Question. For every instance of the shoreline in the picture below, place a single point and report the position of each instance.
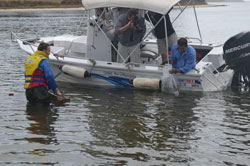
(41, 9)
(68, 8)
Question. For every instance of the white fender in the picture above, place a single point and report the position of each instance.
(75, 71)
(147, 83)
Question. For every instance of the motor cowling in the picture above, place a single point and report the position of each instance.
(237, 55)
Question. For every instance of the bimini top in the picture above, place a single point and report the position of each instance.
(159, 6)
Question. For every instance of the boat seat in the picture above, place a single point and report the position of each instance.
(149, 51)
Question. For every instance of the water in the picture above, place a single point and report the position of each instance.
(113, 126)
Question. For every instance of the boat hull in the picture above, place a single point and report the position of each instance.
(204, 78)
(203, 81)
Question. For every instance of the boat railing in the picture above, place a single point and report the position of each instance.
(14, 37)
(191, 39)
(163, 18)
(211, 71)
(146, 36)
(96, 22)
(30, 42)
(182, 9)
(217, 72)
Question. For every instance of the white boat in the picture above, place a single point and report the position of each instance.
(88, 59)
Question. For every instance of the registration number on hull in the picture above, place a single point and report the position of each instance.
(189, 83)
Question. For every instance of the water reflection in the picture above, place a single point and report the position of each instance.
(117, 126)
(237, 126)
(41, 118)
(223, 122)
(140, 124)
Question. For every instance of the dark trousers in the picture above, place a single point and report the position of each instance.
(38, 94)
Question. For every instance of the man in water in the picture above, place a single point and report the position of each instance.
(39, 77)
(183, 57)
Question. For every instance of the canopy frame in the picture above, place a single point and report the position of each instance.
(153, 26)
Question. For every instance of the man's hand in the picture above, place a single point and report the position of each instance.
(174, 71)
(131, 25)
(58, 93)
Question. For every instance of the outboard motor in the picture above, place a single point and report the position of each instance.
(237, 56)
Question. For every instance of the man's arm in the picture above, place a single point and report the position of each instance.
(190, 61)
(172, 60)
(122, 25)
(174, 70)
(44, 66)
(127, 26)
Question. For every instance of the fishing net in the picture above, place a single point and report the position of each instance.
(169, 84)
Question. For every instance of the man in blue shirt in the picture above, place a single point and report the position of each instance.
(183, 57)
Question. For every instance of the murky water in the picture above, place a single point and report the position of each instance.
(113, 126)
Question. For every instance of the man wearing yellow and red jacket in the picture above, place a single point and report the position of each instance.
(39, 77)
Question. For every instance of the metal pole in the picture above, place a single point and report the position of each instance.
(182, 10)
(145, 36)
(197, 20)
(109, 40)
(166, 38)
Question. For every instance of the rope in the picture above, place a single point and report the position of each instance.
(58, 74)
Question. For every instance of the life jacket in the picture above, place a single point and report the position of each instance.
(33, 76)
